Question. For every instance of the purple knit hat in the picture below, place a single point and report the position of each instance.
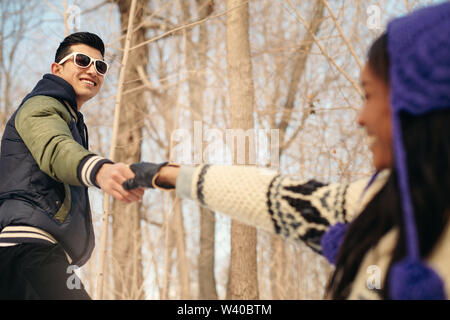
(419, 52)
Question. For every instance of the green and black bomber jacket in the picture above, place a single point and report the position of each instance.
(45, 170)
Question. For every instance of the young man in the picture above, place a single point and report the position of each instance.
(45, 170)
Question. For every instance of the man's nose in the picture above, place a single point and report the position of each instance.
(91, 69)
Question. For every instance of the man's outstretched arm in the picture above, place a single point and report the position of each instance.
(42, 123)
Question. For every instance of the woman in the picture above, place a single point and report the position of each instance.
(398, 220)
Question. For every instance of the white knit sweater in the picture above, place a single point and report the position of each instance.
(297, 210)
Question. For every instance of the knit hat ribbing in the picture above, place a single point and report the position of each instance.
(419, 52)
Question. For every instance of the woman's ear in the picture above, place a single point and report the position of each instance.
(56, 68)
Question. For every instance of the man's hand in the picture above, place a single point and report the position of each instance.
(151, 175)
(110, 178)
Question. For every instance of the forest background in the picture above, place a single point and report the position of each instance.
(286, 72)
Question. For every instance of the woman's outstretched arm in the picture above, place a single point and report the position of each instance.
(295, 209)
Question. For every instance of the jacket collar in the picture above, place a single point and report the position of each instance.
(56, 87)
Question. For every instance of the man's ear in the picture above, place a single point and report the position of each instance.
(56, 69)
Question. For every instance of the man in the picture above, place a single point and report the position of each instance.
(45, 170)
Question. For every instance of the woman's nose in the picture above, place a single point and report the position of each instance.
(361, 117)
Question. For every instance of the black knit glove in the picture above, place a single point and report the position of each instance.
(146, 173)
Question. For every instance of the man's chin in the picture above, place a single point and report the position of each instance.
(87, 93)
(83, 98)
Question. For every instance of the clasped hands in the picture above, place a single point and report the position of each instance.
(128, 183)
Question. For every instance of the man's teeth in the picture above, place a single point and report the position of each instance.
(88, 82)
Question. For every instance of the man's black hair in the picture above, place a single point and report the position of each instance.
(87, 38)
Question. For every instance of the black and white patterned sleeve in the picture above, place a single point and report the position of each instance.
(295, 209)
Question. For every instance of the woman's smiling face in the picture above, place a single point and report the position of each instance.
(376, 118)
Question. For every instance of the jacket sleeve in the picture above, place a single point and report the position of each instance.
(294, 209)
(43, 124)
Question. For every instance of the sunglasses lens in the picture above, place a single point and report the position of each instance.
(82, 60)
(101, 66)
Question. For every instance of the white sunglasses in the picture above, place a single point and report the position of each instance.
(84, 61)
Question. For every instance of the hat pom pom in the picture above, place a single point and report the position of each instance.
(331, 241)
(412, 280)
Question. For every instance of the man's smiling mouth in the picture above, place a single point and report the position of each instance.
(88, 82)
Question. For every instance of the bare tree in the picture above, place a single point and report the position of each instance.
(243, 281)
(280, 271)
(16, 19)
(196, 60)
(127, 234)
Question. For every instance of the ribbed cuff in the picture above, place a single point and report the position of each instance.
(88, 168)
(184, 181)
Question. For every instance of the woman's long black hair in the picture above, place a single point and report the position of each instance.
(427, 145)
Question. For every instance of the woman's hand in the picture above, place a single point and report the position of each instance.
(168, 176)
(152, 175)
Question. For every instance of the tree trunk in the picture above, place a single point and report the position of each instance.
(127, 237)
(207, 281)
(243, 281)
(277, 266)
(182, 261)
(196, 60)
(300, 271)
(169, 244)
